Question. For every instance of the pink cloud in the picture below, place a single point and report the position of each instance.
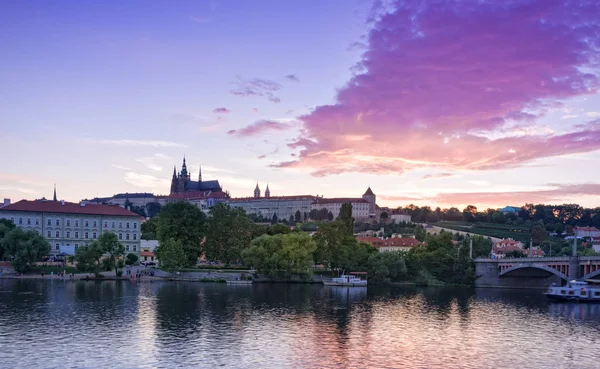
(438, 175)
(221, 111)
(261, 126)
(438, 81)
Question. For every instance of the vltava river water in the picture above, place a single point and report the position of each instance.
(67, 324)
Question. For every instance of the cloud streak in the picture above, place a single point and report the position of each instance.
(440, 85)
(150, 143)
(292, 77)
(260, 127)
(258, 87)
(221, 111)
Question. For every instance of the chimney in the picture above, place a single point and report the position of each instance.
(62, 202)
(6, 202)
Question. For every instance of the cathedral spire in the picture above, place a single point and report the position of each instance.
(267, 191)
(184, 172)
(174, 171)
(200, 174)
(54, 199)
(257, 191)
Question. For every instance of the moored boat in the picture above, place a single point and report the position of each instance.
(579, 291)
(352, 279)
(240, 282)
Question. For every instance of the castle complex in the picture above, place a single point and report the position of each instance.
(182, 182)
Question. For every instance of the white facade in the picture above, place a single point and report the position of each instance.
(282, 206)
(399, 218)
(582, 232)
(68, 231)
(360, 207)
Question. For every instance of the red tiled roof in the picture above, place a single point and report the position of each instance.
(146, 253)
(292, 197)
(68, 207)
(587, 229)
(390, 242)
(508, 243)
(341, 200)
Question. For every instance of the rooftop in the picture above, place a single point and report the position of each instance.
(293, 197)
(47, 206)
(198, 195)
(341, 200)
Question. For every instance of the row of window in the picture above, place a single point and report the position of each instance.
(68, 223)
(134, 248)
(87, 234)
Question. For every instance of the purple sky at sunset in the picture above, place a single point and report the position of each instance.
(450, 103)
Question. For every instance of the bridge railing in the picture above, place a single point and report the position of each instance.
(536, 260)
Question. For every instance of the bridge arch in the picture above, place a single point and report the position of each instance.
(533, 266)
(591, 275)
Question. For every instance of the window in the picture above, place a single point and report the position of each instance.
(134, 225)
(127, 236)
(76, 223)
(120, 236)
(57, 246)
(113, 224)
(28, 221)
(68, 234)
(20, 220)
(37, 221)
(86, 235)
(105, 224)
(87, 224)
(135, 236)
(57, 221)
(57, 234)
(49, 234)
(94, 223)
(127, 225)
(94, 235)
(120, 224)
(126, 247)
(76, 234)
(134, 248)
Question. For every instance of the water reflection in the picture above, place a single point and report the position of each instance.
(177, 324)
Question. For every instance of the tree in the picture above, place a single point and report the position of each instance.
(538, 233)
(383, 216)
(469, 213)
(291, 220)
(131, 259)
(5, 227)
(559, 228)
(149, 229)
(420, 233)
(26, 247)
(109, 243)
(330, 216)
(152, 209)
(229, 232)
(282, 256)
(298, 216)
(89, 258)
(274, 219)
(345, 217)
(184, 223)
(514, 254)
(171, 255)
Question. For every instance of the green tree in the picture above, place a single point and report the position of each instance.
(5, 227)
(152, 209)
(420, 233)
(291, 220)
(278, 229)
(229, 232)
(149, 229)
(383, 216)
(538, 233)
(109, 243)
(559, 228)
(131, 259)
(298, 216)
(346, 218)
(89, 258)
(469, 213)
(184, 223)
(274, 219)
(171, 255)
(26, 247)
(282, 256)
(515, 254)
(330, 216)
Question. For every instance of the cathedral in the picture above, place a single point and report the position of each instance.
(182, 182)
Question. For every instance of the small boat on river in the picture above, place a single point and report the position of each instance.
(350, 280)
(578, 291)
(239, 282)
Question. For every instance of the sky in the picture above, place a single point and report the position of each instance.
(439, 103)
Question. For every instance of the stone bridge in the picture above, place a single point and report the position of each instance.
(534, 272)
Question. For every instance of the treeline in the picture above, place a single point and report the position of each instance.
(567, 215)
(23, 248)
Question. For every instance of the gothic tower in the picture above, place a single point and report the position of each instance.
(371, 198)
(267, 191)
(55, 193)
(257, 191)
(174, 180)
(200, 174)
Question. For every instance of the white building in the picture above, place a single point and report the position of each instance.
(360, 207)
(267, 206)
(68, 225)
(582, 232)
(399, 218)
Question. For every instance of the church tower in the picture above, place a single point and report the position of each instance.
(267, 191)
(184, 172)
(371, 198)
(257, 191)
(174, 180)
(55, 193)
(200, 174)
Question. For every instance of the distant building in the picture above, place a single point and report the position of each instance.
(510, 210)
(500, 248)
(182, 182)
(68, 225)
(399, 218)
(281, 206)
(391, 244)
(582, 232)
(362, 207)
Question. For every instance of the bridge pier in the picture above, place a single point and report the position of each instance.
(574, 268)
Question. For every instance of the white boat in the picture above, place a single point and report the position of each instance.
(579, 291)
(349, 280)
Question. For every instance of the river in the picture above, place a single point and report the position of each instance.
(121, 324)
